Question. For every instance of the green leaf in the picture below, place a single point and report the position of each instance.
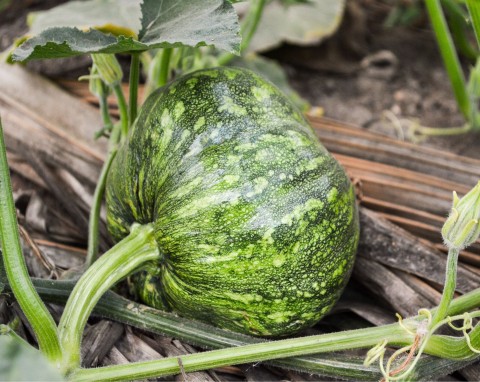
(300, 23)
(106, 15)
(19, 362)
(168, 23)
(193, 23)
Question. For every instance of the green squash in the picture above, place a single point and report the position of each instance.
(256, 222)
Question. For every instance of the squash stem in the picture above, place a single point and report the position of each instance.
(164, 67)
(94, 218)
(125, 257)
(123, 109)
(450, 57)
(120, 309)
(93, 226)
(16, 270)
(133, 86)
(474, 11)
(290, 348)
(107, 120)
(448, 288)
(244, 354)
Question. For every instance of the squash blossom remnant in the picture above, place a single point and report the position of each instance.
(108, 68)
(462, 227)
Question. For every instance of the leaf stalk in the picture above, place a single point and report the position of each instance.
(125, 257)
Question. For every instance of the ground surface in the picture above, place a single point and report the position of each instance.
(362, 72)
(367, 69)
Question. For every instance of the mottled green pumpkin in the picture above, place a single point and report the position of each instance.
(256, 222)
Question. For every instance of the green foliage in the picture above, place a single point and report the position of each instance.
(4, 4)
(164, 24)
(404, 14)
(113, 16)
(20, 362)
(300, 23)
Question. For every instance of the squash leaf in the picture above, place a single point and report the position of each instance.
(110, 16)
(20, 362)
(299, 22)
(167, 23)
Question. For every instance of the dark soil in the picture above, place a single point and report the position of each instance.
(367, 71)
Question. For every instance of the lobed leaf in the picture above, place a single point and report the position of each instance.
(105, 15)
(301, 23)
(193, 23)
(167, 23)
(20, 362)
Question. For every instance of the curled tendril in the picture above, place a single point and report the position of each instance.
(403, 326)
(466, 328)
(421, 334)
(467, 322)
(375, 353)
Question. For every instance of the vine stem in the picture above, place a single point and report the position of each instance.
(459, 28)
(17, 274)
(295, 347)
(133, 86)
(244, 354)
(107, 121)
(125, 257)
(120, 309)
(448, 288)
(474, 10)
(450, 57)
(248, 28)
(94, 220)
(123, 109)
(164, 67)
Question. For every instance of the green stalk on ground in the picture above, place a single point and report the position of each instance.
(16, 270)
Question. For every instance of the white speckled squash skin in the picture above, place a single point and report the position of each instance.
(256, 222)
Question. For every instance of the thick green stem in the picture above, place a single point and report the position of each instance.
(474, 10)
(272, 350)
(164, 67)
(127, 256)
(94, 221)
(117, 308)
(450, 57)
(94, 218)
(123, 109)
(32, 306)
(133, 86)
(248, 29)
(448, 288)
(459, 27)
(249, 353)
(295, 347)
